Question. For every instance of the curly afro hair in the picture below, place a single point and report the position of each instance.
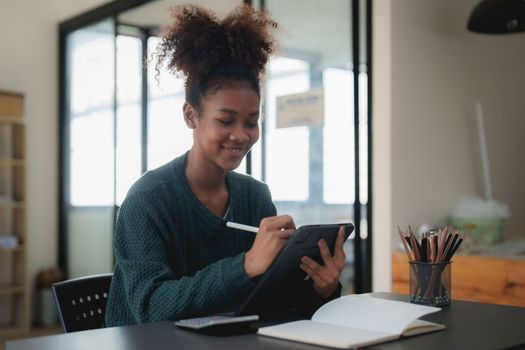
(209, 53)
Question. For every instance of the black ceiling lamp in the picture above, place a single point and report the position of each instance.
(498, 17)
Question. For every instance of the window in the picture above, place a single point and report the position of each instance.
(338, 171)
(91, 53)
(129, 105)
(287, 150)
(168, 135)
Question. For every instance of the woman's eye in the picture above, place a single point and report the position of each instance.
(252, 125)
(225, 122)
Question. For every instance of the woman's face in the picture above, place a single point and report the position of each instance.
(227, 126)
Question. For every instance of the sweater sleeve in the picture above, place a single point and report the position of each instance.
(151, 289)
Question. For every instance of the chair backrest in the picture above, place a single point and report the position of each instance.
(82, 302)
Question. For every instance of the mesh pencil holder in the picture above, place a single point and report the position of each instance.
(430, 283)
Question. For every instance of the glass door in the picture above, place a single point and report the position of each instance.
(90, 148)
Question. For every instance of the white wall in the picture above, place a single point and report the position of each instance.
(428, 73)
(29, 64)
(439, 71)
(496, 78)
(382, 145)
(432, 164)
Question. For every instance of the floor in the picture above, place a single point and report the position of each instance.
(34, 332)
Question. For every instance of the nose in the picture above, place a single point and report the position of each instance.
(239, 134)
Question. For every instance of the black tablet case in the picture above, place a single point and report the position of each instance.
(277, 290)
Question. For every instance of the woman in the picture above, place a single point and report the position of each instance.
(174, 256)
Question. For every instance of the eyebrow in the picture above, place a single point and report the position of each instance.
(234, 112)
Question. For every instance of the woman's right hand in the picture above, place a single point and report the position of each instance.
(273, 234)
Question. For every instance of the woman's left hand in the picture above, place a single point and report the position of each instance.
(326, 277)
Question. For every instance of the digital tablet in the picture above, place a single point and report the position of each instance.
(284, 281)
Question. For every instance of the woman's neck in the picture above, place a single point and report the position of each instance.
(208, 183)
(204, 176)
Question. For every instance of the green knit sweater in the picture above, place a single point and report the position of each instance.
(176, 259)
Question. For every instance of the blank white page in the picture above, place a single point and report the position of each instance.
(325, 334)
(361, 311)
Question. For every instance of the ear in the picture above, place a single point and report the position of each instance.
(190, 115)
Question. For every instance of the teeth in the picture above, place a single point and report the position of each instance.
(233, 150)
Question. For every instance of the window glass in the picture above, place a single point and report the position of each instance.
(287, 149)
(91, 82)
(310, 168)
(129, 108)
(168, 135)
(90, 147)
(338, 131)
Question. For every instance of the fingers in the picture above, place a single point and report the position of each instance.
(318, 272)
(326, 277)
(339, 254)
(272, 236)
(281, 226)
(314, 270)
(325, 254)
(284, 234)
(277, 222)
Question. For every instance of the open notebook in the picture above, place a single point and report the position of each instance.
(357, 320)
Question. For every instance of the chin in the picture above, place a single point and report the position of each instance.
(230, 166)
(230, 162)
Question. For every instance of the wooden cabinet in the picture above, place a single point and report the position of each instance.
(14, 286)
(486, 279)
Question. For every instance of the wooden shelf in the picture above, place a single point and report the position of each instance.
(13, 204)
(15, 333)
(12, 120)
(9, 290)
(13, 162)
(8, 332)
(18, 249)
(475, 278)
(15, 315)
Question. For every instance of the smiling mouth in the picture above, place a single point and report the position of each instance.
(234, 150)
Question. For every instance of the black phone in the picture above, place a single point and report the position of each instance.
(280, 285)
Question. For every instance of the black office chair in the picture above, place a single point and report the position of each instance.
(82, 302)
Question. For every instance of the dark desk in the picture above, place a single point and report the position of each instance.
(469, 326)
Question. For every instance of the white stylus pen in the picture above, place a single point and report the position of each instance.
(242, 227)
